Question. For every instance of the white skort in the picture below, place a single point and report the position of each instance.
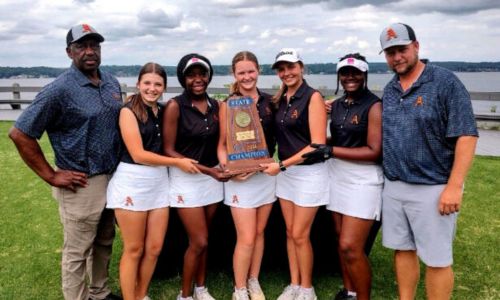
(254, 192)
(304, 185)
(138, 187)
(355, 188)
(193, 190)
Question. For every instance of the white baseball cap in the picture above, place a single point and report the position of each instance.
(288, 55)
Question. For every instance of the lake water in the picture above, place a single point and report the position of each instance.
(474, 82)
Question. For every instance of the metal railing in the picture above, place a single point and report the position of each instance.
(16, 90)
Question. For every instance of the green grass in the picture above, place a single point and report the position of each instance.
(31, 238)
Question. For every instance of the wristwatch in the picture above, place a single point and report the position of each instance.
(282, 166)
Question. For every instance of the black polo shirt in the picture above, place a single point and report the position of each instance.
(266, 114)
(292, 122)
(349, 122)
(197, 133)
(150, 131)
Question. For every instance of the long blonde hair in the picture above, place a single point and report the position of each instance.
(241, 56)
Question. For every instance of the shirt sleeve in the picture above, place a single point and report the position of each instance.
(460, 116)
(41, 113)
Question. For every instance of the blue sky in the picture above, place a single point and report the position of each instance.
(32, 33)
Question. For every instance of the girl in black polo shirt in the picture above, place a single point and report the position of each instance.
(138, 190)
(302, 186)
(356, 177)
(191, 129)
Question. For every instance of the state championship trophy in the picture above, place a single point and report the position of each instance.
(245, 140)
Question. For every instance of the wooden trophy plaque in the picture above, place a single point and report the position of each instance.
(245, 140)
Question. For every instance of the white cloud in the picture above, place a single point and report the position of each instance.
(265, 34)
(290, 32)
(311, 40)
(348, 41)
(187, 26)
(244, 29)
(159, 16)
(32, 32)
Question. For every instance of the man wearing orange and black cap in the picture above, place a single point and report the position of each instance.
(429, 138)
(79, 111)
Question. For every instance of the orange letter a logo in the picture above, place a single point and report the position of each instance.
(391, 34)
(419, 101)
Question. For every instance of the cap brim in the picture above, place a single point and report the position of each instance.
(94, 35)
(202, 64)
(284, 60)
(401, 43)
(352, 66)
(353, 62)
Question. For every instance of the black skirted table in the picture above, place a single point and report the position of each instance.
(222, 239)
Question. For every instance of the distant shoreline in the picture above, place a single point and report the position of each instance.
(221, 70)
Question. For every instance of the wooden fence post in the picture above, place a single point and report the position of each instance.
(123, 87)
(16, 95)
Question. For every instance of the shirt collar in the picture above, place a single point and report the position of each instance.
(426, 76)
(186, 101)
(84, 80)
(259, 93)
(300, 91)
(358, 100)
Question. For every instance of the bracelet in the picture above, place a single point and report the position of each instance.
(282, 166)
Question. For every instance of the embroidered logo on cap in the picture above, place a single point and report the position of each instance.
(284, 53)
(391, 34)
(86, 28)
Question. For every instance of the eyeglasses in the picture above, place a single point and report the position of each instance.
(83, 46)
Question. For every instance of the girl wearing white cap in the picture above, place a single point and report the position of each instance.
(356, 177)
(250, 196)
(191, 129)
(138, 190)
(302, 185)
